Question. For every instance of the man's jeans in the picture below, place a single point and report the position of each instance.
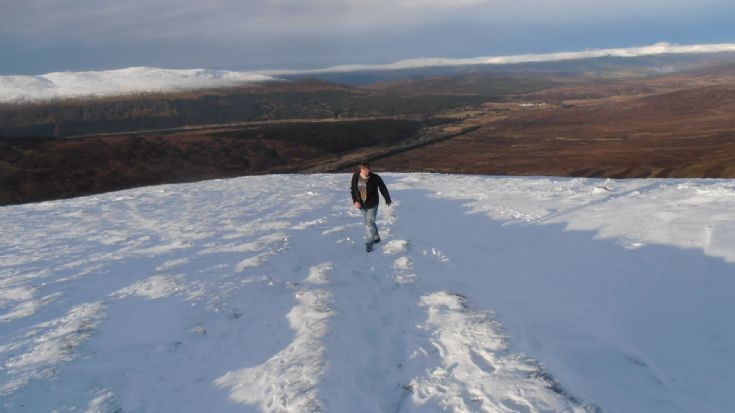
(371, 230)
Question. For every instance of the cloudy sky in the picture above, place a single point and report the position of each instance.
(41, 36)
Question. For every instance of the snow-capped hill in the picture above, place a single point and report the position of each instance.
(486, 294)
(118, 82)
(149, 79)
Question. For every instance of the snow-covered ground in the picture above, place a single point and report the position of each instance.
(487, 294)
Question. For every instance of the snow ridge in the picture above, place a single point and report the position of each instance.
(38, 351)
(469, 365)
(287, 381)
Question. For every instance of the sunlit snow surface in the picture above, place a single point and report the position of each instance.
(487, 294)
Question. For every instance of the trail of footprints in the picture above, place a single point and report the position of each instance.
(456, 357)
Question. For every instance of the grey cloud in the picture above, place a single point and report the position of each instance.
(98, 20)
(235, 33)
(48, 20)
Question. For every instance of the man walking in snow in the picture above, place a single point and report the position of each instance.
(364, 189)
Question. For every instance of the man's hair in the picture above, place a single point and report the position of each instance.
(364, 164)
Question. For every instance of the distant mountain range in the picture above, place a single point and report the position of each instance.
(637, 61)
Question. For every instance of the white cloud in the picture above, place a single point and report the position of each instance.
(655, 49)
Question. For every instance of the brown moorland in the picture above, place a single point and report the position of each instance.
(674, 126)
(37, 169)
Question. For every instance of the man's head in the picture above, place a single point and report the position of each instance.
(364, 168)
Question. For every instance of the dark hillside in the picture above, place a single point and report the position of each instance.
(36, 169)
(277, 101)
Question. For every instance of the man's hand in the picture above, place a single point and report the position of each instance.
(357, 205)
(388, 203)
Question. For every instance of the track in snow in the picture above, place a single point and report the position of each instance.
(255, 294)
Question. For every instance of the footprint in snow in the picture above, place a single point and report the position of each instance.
(403, 264)
(396, 246)
(437, 255)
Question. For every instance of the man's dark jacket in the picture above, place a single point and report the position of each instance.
(374, 183)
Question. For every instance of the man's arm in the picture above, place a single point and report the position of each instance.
(384, 191)
(353, 189)
(353, 192)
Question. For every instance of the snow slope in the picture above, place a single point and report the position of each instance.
(487, 295)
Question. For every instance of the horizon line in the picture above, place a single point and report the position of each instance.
(658, 48)
(117, 82)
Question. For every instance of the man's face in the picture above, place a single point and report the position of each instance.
(364, 171)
